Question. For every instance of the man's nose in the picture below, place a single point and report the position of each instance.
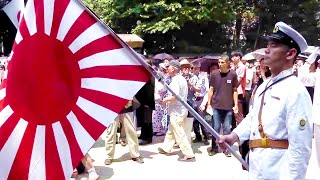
(267, 51)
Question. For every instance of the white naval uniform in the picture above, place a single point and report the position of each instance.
(285, 105)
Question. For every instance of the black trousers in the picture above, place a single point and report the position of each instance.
(145, 115)
(244, 148)
(196, 129)
(197, 125)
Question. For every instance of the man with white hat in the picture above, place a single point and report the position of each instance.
(279, 126)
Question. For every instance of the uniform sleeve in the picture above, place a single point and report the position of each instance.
(299, 125)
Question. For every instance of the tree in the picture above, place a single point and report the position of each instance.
(167, 25)
(303, 15)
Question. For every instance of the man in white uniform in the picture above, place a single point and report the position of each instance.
(279, 126)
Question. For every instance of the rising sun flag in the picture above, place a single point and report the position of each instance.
(68, 78)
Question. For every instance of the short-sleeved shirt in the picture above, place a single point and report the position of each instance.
(223, 85)
(202, 83)
(241, 73)
(179, 86)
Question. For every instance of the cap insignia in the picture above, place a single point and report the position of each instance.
(275, 29)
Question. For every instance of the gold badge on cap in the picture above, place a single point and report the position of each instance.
(275, 29)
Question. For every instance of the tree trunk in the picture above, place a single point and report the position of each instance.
(258, 34)
(236, 37)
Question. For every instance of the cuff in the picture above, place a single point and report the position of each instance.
(241, 134)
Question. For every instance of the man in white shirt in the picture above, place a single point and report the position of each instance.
(303, 71)
(279, 126)
(178, 114)
(240, 68)
(199, 86)
(248, 88)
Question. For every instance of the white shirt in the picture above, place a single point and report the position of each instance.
(159, 90)
(179, 86)
(202, 83)
(306, 77)
(316, 100)
(249, 77)
(241, 73)
(285, 105)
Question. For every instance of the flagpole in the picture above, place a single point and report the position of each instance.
(159, 78)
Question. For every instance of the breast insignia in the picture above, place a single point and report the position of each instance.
(302, 123)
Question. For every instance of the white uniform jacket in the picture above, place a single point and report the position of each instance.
(287, 105)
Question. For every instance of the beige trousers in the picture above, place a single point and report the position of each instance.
(126, 120)
(176, 134)
(187, 126)
(317, 141)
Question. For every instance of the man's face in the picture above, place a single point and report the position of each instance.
(196, 70)
(185, 70)
(171, 71)
(275, 55)
(299, 62)
(236, 59)
(223, 64)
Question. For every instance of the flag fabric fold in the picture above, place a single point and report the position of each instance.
(68, 79)
(13, 10)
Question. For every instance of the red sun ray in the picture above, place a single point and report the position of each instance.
(75, 150)
(3, 103)
(109, 43)
(23, 28)
(93, 127)
(7, 128)
(128, 72)
(53, 164)
(38, 6)
(80, 25)
(108, 101)
(22, 160)
(58, 12)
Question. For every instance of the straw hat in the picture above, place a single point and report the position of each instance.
(184, 62)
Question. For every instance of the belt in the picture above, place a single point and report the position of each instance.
(268, 143)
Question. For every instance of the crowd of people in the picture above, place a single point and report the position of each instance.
(265, 105)
(269, 105)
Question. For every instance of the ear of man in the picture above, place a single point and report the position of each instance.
(292, 54)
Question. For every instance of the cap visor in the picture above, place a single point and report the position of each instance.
(274, 36)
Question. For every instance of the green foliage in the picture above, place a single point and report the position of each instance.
(203, 26)
(161, 16)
